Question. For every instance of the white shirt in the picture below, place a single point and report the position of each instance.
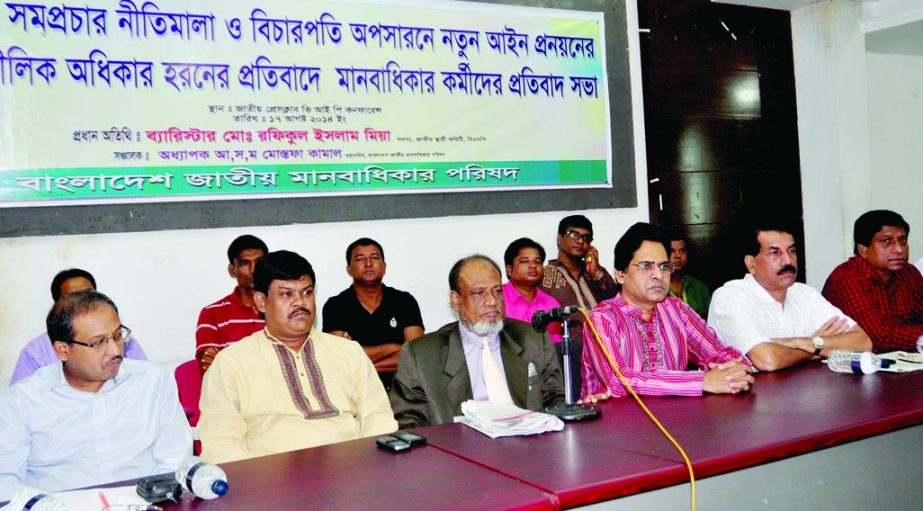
(474, 346)
(744, 314)
(55, 437)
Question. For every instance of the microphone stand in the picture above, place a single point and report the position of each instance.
(569, 411)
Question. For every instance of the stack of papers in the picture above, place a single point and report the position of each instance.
(904, 361)
(496, 420)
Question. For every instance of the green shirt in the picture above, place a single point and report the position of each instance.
(695, 294)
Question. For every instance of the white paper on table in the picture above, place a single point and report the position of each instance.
(500, 420)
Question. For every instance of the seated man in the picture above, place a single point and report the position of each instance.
(481, 356)
(93, 418)
(235, 316)
(877, 286)
(288, 386)
(39, 352)
(692, 291)
(776, 321)
(378, 317)
(522, 296)
(653, 337)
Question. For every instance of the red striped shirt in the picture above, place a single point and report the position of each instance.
(653, 355)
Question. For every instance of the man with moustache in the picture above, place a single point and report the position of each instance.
(40, 352)
(378, 317)
(288, 386)
(235, 316)
(481, 356)
(94, 417)
(654, 337)
(577, 278)
(776, 321)
(877, 286)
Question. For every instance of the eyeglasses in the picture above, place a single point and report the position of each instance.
(648, 267)
(118, 337)
(574, 235)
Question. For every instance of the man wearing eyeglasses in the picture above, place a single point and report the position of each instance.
(40, 352)
(95, 417)
(577, 278)
(653, 337)
(878, 286)
(776, 321)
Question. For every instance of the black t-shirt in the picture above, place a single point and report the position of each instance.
(397, 310)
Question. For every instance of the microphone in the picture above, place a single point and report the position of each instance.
(541, 319)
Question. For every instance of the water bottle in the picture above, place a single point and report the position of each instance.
(858, 362)
(33, 499)
(205, 480)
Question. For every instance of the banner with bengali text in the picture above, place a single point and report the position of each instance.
(125, 101)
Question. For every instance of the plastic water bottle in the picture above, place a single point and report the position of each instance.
(205, 480)
(33, 499)
(858, 362)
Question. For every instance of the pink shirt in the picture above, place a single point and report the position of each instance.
(517, 307)
(653, 355)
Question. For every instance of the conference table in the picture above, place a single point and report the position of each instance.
(802, 438)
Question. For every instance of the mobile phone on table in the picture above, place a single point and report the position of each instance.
(391, 444)
(411, 438)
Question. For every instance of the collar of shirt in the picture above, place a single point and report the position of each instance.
(555, 263)
(866, 271)
(53, 377)
(760, 293)
(274, 340)
(472, 341)
(238, 302)
(632, 311)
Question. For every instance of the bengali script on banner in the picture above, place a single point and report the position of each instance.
(120, 101)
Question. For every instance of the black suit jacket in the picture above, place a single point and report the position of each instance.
(432, 379)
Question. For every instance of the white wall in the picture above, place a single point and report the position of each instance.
(160, 280)
(858, 127)
(895, 86)
(829, 58)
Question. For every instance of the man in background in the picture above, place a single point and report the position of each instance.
(378, 317)
(522, 296)
(692, 291)
(40, 352)
(878, 286)
(235, 316)
(577, 278)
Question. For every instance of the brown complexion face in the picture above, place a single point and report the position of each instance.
(888, 251)
(242, 268)
(527, 269)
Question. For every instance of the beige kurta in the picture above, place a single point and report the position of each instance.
(259, 397)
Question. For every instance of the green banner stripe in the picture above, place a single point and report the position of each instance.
(161, 181)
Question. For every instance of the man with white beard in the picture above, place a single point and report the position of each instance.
(481, 356)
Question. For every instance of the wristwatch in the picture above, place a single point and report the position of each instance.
(818, 344)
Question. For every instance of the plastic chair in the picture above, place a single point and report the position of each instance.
(189, 383)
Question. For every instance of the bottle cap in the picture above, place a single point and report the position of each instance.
(220, 487)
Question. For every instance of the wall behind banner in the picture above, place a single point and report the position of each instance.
(160, 279)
